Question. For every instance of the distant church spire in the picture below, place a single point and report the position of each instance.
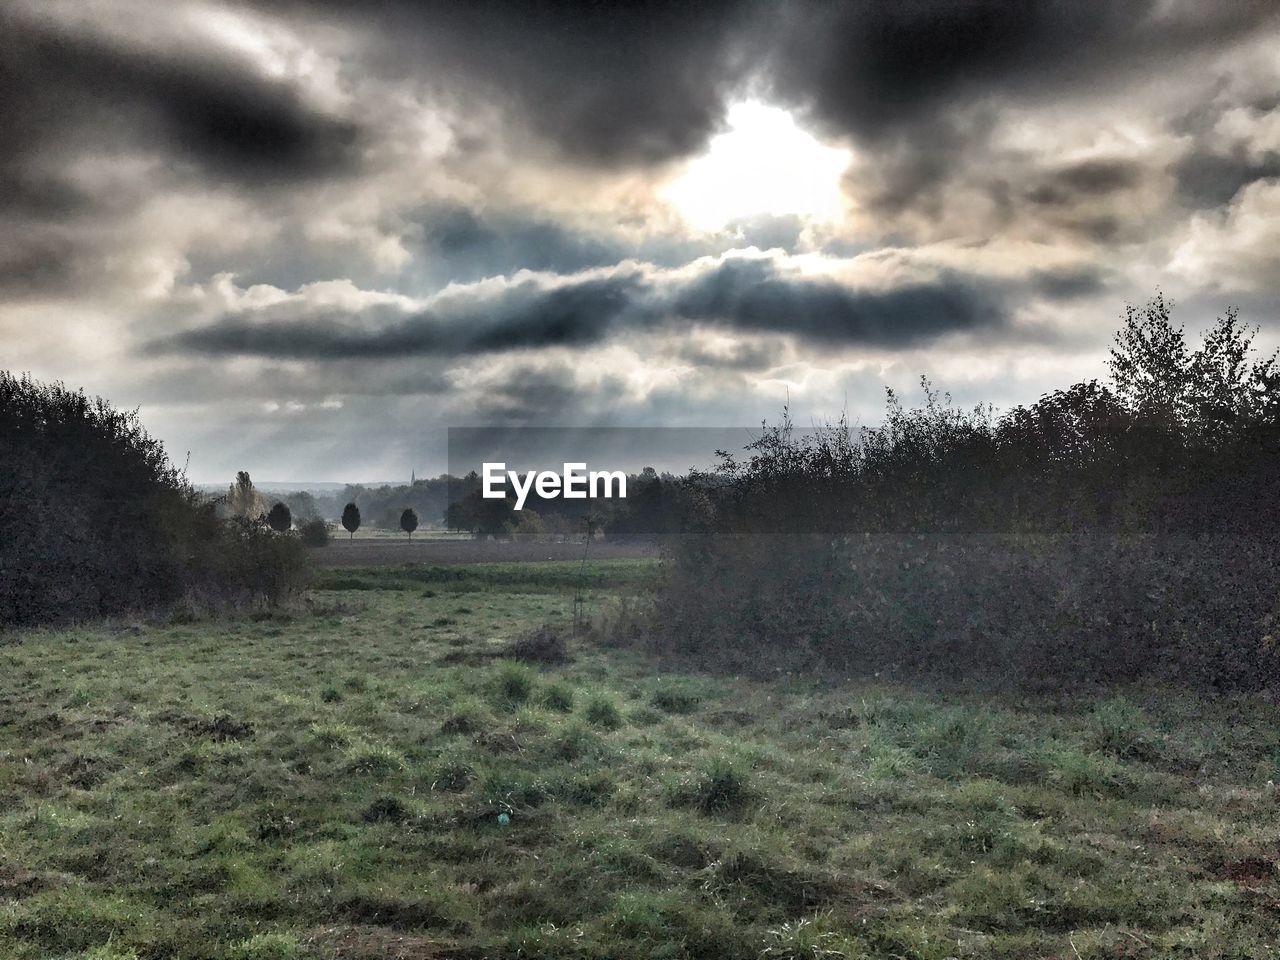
(412, 478)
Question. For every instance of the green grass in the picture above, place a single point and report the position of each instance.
(328, 783)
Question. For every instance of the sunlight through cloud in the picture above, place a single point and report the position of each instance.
(763, 165)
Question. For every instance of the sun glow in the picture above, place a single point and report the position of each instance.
(764, 164)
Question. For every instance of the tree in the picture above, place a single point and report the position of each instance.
(302, 504)
(280, 518)
(481, 516)
(1209, 390)
(409, 521)
(243, 500)
(351, 519)
(1150, 363)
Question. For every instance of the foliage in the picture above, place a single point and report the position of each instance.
(280, 519)
(471, 511)
(243, 499)
(251, 561)
(1106, 532)
(131, 534)
(351, 519)
(314, 533)
(409, 521)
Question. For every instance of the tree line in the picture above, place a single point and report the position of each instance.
(1112, 530)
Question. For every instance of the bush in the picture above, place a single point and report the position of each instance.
(98, 522)
(545, 644)
(1102, 534)
(253, 564)
(314, 533)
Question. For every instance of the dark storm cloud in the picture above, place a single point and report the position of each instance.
(921, 82)
(610, 84)
(636, 84)
(738, 355)
(751, 295)
(35, 267)
(1092, 178)
(872, 68)
(73, 92)
(746, 295)
(1208, 179)
(528, 315)
(527, 393)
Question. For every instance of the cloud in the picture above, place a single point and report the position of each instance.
(1068, 283)
(437, 210)
(197, 102)
(1207, 179)
(745, 293)
(605, 84)
(871, 69)
(1237, 250)
(461, 244)
(933, 92)
(751, 294)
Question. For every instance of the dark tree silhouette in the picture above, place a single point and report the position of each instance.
(280, 518)
(481, 516)
(409, 521)
(351, 519)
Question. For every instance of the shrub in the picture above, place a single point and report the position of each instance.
(544, 644)
(315, 533)
(252, 562)
(720, 788)
(513, 684)
(557, 696)
(1105, 533)
(130, 533)
(673, 698)
(603, 712)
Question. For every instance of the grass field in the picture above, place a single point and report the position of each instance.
(367, 777)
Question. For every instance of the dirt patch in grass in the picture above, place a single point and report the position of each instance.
(1248, 870)
(376, 943)
(545, 644)
(17, 882)
(220, 728)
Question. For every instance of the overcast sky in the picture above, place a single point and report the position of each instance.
(304, 237)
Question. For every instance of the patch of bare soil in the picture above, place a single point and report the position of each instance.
(375, 943)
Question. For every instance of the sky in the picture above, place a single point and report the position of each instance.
(303, 237)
